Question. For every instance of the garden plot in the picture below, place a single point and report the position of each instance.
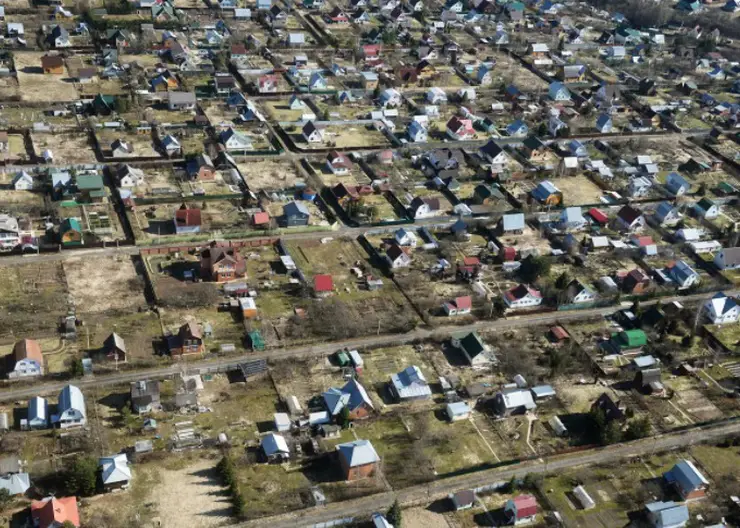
(356, 135)
(307, 379)
(529, 240)
(101, 284)
(266, 174)
(37, 87)
(316, 218)
(578, 190)
(143, 144)
(159, 181)
(66, 148)
(281, 111)
(22, 203)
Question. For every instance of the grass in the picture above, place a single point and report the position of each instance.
(717, 461)
(270, 489)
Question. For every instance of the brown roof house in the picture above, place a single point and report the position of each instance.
(187, 341)
(115, 348)
(52, 64)
(222, 263)
(612, 410)
(636, 282)
(187, 220)
(26, 360)
(358, 459)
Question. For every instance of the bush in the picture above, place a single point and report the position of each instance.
(82, 476)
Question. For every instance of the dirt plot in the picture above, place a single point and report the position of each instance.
(66, 148)
(578, 190)
(35, 86)
(142, 144)
(104, 283)
(306, 379)
(529, 240)
(345, 136)
(270, 175)
(22, 203)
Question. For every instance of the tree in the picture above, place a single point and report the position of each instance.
(76, 369)
(5, 498)
(562, 281)
(638, 428)
(68, 524)
(82, 476)
(533, 268)
(344, 419)
(129, 420)
(123, 105)
(394, 514)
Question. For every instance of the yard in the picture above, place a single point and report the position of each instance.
(37, 87)
(266, 174)
(578, 190)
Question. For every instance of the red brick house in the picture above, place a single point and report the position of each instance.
(222, 263)
(358, 459)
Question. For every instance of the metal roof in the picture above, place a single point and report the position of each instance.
(358, 453)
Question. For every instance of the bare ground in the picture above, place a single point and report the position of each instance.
(106, 283)
(421, 518)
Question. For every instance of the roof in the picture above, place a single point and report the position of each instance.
(295, 208)
(182, 97)
(411, 383)
(16, 484)
(357, 395)
(52, 511)
(644, 361)
(52, 61)
(513, 222)
(323, 283)
(598, 215)
(187, 216)
(358, 453)
(71, 398)
(523, 506)
(668, 513)
(731, 255)
(687, 476)
(629, 214)
(28, 349)
(472, 344)
(521, 291)
(115, 469)
(273, 444)
(458, 408)
(721, 303)
(543, 391)
(515, 398)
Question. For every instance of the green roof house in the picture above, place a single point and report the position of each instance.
(629, 340)
(70, 232)
(90, 187)
(255, 338)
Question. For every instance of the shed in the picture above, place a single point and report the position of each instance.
(282, 422)
(583, 497)
(457, 411)
(541, 392)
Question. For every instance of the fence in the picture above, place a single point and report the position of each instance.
(165, 250)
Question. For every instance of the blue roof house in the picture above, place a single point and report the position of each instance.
(517, 129)
(544, 191)
(687, 480)
(604, 123)
(558, 92)
(667, 514)
(677, 184)
(38, 413)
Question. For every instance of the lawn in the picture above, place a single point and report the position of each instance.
(270, 489)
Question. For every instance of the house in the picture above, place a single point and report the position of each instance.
(604, 124)
(59, 38)
(706, 208)
(187, 220)
(648, 381)
(517, 129)
(547, 193)
(114, 472)
(23, 182)
(25, 361)
(572, 219)
(114, 348)
(323, 285)
(275, 448)
(513, 223)
(311, 133)
(555, 125)
(436, 96)
(538, 50)
(70, 232)
(295, 214)
(728, 258)
(390, 97)
(462, 500)
(682, 274)
(53, 513)
(178, 101)
(572, 73)
(483, 75)
(15, 483)
(460, 306)
(721, 309)
(636, 282)
(358, 459)
(486, 194)
(221, 262)
(397, 257)
(630, 219)
(476, 352)
(495, 155)
(417, 132)
(667, 214)
(577, 293)
(460, 129)
(669, 514)
(317, 82)
(235, 141)
(521, 509)
(353, 396)
(267, 83)
(187, 341)
(38, 413)
(612, 410)
(513, 401)
(224, 83)
(71, 410)
(409, 384)
(201, 168)
(338, 163)
(145, 396)
(52, 64)
(687, 480)
(639, 187)
(403, 237)
(171, 146)
(424, 207)
(522, 296)
(558, 92)
(457, 411)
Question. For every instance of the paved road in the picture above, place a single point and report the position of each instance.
(439, 489)
(20, 392)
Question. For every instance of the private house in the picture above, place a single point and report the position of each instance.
(521, 510)
(457, 411)
(522, 296)
(572, 73)
(669, 514)
(390, 97)
(627, 341)
(275, 448)
(517, 129)
(630, 219)
(224, 83)
(706, 208)
(547, 193)
(462, 500)
(687, 480)
(171, 146)
(71, 410)
(221, 263)
(23, 182)
(721, 309)
(534, 150)
(70, 232)
(295, 214)
(358, 459)
(323, 285)
(58, 38)
(38, 413)
(417, 132)
(558, 92)
(513, 223)
(129, 177)
(114, 348)
(612, 410)
(460, 129)
(145, 396)
(667, 214)
(267, 83)
(578, 293)
(53, 513)
(187, 341)
(483, 75)
(571, 219)
(25, 361)
(495, 155)
(728, 258)
(604, 124)
(405, 238)
(639, 187)
(397, 257)
(52, 64)
(677, 184)
(682, 274)
(90, 188)
(476, 352)
(179, 101)
(424, 207)
(187, 220)
(115, 472)
(201, 168)
(311, 133)
(486, 194)
(648, 381)
(460, 306)
(338, 163)
(15, 483)
(409, 384)
(353, 396)
(511, 402)
(235, 142)
(636, 282)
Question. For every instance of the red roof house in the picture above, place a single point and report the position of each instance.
(261, 218)
(51, 512)
(187, 220)
(323, 285)
(598, 216)
(471, 261)
(521, 509)
(460, 306)
(509, 253)
(642, 241)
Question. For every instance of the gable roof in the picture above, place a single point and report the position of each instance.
(273, 444)
(629, 214)
(411, 383)
(687, 476)
(358, 453)
(53, 511)
(357, 395)
(115, 469)
(28, 349)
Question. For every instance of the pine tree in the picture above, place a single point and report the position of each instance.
(394, 514)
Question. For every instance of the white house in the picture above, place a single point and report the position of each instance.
(27, 360)
(495, 155)
(706, 208)
(397, 257)
(728, 258)
(9, 232)
(311, 133)
(114, 471)
(683, 274)
(577, 292)
(436, 95)
(404, 237)
(722, 309)
(23, 181)
(235, 141)
(71, 408)
(522, 296)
